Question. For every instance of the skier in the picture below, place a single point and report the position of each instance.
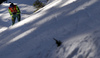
(14, 12)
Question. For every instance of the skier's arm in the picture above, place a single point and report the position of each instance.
(18, 10)
(10, 12)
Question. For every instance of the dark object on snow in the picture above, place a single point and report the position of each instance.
(58, 42)
(38, 4)
(1, 1)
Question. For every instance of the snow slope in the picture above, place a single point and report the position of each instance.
(74, 22)
(29, 2)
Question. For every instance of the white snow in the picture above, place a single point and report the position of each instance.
(76, 23)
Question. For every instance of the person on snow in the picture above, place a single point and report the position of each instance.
(14, 12)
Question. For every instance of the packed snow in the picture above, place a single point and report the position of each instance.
(76, 23)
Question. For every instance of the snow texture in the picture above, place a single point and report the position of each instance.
(76, 23)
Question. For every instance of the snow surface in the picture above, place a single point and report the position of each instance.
(74, 22)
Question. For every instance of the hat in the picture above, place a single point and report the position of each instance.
(11, 5)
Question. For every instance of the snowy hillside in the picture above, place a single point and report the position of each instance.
(29, 2)
(74, 22)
